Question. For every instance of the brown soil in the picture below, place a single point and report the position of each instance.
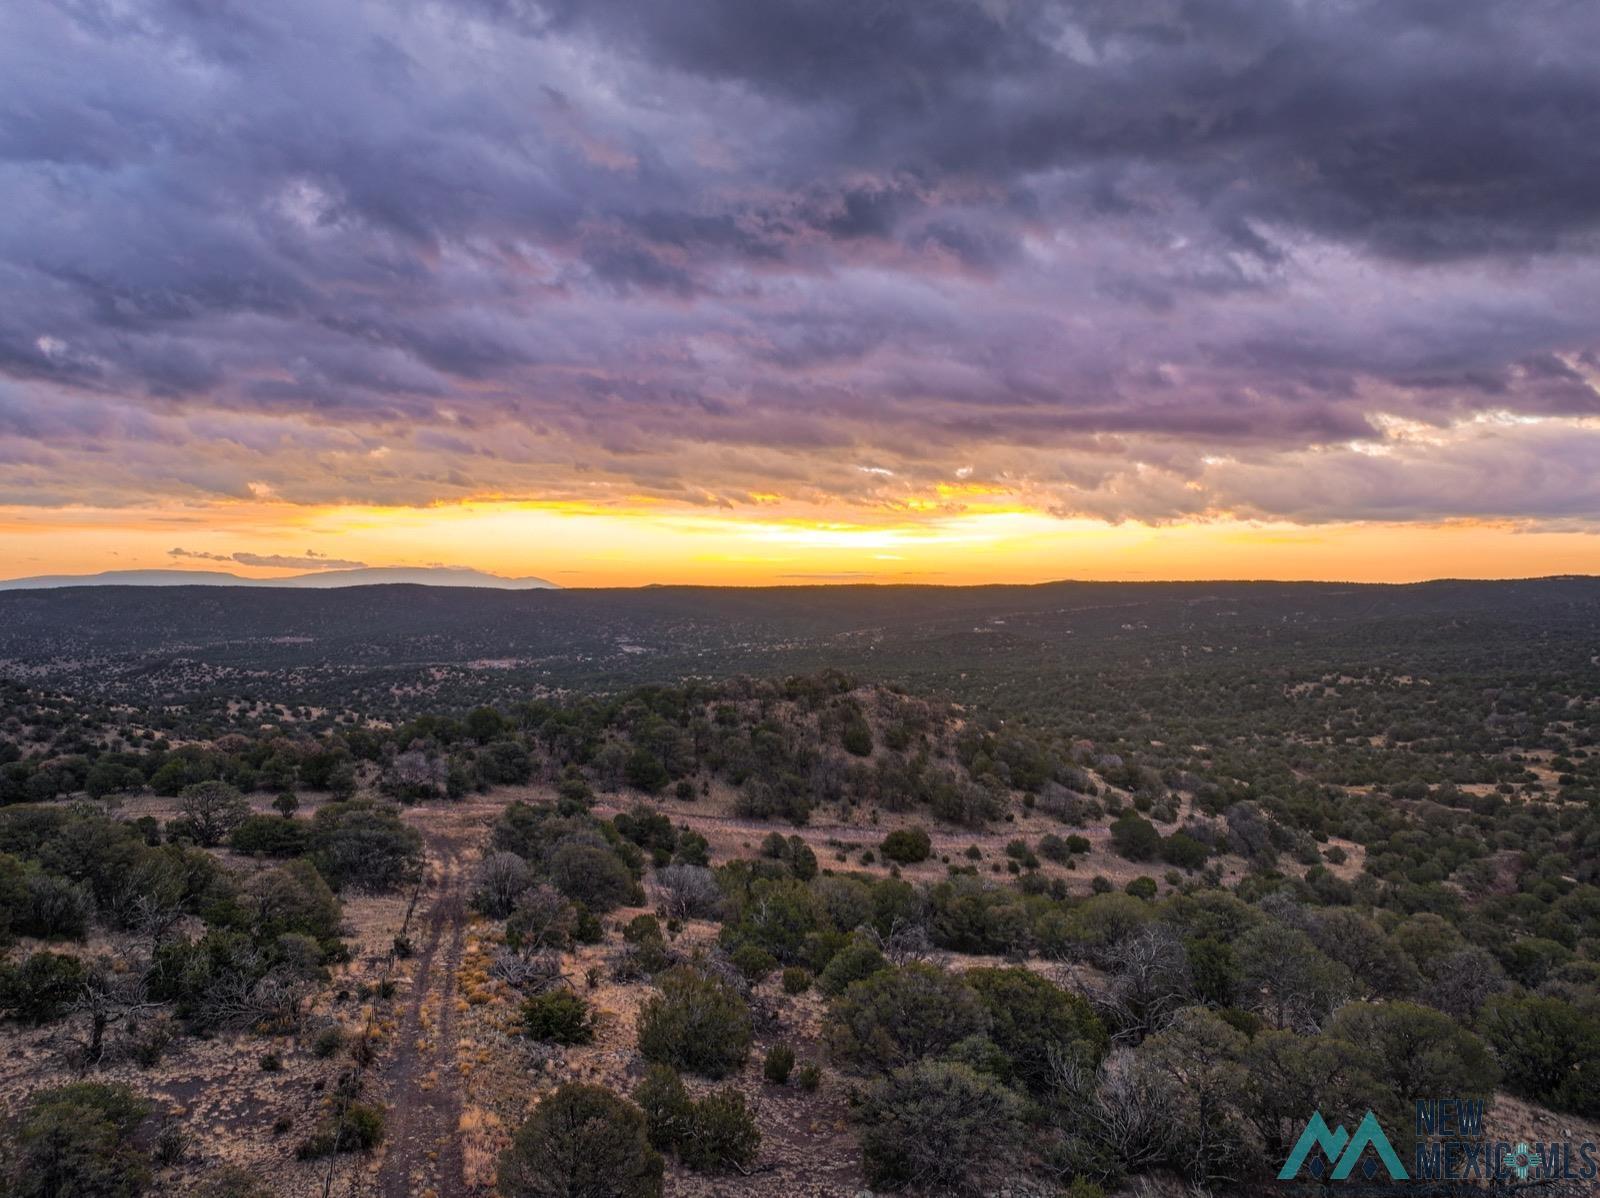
(418, 1077)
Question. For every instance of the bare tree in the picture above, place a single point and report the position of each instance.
(1462, 981)
(542, 919)
(501, 878)
(1120, 1113)
(906, 941)
(1200, 1058)
(689, 892)
(415, 770)
(108, 996)
(137, 895)
(156, 917)
(236, 1000)
(1150, 983)
(532, 974)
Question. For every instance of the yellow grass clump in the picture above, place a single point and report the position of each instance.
(482, 1138)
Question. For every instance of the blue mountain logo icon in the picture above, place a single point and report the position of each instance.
(1343, 1150)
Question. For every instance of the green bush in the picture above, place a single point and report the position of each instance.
(902, 1015)
(1540, 1043)
(1214, 971)
(698, 1024)
(721, 1133)
(362, 1127)
(649, 944)
(54, 908)
(809, 1076)
(581, 1141)
(353, 1127)
(1197, 1060)
(857, 737)
(1135, 838)
(1034, 1022)
(149, 1040)
(713, 1133)
(363, 845)
(936, 1126)
(292, 900)
(645, 772)
(1141, 888)
(666, 1105)
(585, 868)
(39, 988)
(540, 918)
(270, 836)
(1019, 852)
(1054, 848)
(642, 928)
(78, 1139)
(754, 962)
(907, 846)
(778, 1064)
(778, 914)
(1411, 1050)
(1184, 851)
(796, 979)
(557, 1016)
(857, 960)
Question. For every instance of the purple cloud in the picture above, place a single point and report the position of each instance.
(1128, 259)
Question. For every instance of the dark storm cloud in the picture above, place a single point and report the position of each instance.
(1426, 128)
(1129, 256)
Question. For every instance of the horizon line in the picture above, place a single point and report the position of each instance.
(813, 584)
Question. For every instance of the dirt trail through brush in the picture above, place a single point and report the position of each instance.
(420, 1080)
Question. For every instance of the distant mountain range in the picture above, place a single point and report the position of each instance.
(433, 576)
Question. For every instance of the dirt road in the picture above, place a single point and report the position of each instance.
(418, 1075)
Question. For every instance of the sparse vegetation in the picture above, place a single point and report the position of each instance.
(1356, 887)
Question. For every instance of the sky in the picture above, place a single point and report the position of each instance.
(777, 291)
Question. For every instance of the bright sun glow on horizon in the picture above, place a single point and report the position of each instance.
(576, 545)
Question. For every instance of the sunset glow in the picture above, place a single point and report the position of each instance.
(633, 547)
(615, 297)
